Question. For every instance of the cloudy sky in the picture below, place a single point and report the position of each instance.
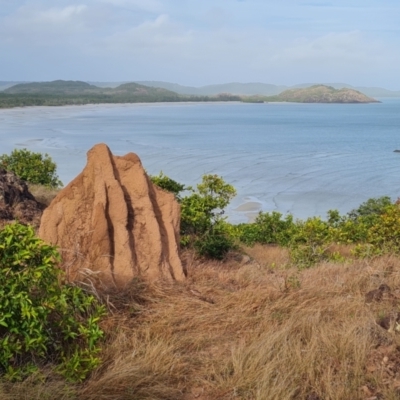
(199, 42)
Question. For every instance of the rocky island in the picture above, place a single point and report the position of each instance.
(324, 94)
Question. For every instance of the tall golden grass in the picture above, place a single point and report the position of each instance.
(252, 331)
(43, 194)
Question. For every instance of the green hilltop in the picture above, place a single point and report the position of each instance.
(53, 88)
(61, 92)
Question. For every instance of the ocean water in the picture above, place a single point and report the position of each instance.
(302, 159)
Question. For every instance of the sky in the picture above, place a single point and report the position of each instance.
(201, 42)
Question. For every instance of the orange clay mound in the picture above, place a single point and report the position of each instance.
(112, 220)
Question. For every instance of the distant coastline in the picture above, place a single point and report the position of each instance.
(67, 93)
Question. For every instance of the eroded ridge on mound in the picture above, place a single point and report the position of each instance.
(112, 219)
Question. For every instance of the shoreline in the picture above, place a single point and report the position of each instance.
(185, 102)
(158, 103)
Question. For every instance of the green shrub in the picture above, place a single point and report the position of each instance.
(166, 183)
(204, 208)
(214, 245)
(40, 319)
(202, 221)
(268, 228)
(385, 233)
(31, 167)
(371, 209)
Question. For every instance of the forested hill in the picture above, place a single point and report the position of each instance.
(53, 88)
(61, 92)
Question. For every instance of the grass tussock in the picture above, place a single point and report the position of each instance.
(235, 331)
(269, 255)
(43, 194)
(44, 385)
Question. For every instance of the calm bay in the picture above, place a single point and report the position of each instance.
(299, 158)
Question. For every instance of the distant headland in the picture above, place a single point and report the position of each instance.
(60, 92)
(321, 94)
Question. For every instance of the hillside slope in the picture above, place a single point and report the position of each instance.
(53, 88)
(60, 92)
(324, 94)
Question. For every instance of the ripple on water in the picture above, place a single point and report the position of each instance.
(302, 159)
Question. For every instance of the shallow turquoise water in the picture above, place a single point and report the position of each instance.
(298, 158)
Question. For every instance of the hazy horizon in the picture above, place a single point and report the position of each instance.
(201, 43)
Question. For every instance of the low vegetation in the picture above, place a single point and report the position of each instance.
(34, 168)
(202, 223)
(275, 309)
(42, 319)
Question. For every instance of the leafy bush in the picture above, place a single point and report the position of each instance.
(384, 235)
(31, 167)
(205, 206)
(268, 228)
(374, 227)
(40, 319)
(166, 183)
(215, 244)
(371, 208)
(202, 221)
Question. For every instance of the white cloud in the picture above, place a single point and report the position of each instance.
(159, 35)
(145, 5)
(40, 26)
(204, 42)
(58, 15)
(30, 17)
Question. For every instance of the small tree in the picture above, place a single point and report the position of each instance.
(31, 167)
(371, 208)
(202, 221)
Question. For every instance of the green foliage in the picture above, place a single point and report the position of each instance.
(205, 206)
(371, 208)
(384, 235)
(268, 228)
(202, 221)
(41, 319)
(166, 183)
(216, 243)
(374, 227)
(31, 167)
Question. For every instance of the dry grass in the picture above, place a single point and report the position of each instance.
(244, 332)
(236, 331)
(269, 255)
(42, 386)
(344, 250)
(43, 194)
